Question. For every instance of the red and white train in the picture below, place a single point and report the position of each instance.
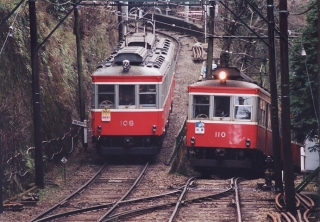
(132, 95)
(229, 123)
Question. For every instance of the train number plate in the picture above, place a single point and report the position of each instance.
(106, 115)
(199, 128)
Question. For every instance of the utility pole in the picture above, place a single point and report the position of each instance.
(1, 176)
(274, 100)
(210, 41)
(80, 73)
(39, 173)
(318, 5)
(285, 114)
(120, 30)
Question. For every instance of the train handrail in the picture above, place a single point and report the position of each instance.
(307, 180)
(178, 142)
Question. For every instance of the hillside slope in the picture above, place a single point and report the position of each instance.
(58, 81)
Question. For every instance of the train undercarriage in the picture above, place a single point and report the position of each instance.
(219, 159)
(128, 145)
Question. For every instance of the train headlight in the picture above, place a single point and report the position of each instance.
(154, 128)
(99, 129)
(248, 142)
(223, 76)
(192, 140)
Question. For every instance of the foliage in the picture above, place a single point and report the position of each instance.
(304, 81)
(58, 8)
(248, 55)
(57, 80)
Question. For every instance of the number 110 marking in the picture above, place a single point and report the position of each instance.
(219, 134)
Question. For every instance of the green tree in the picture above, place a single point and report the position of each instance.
(304, 81)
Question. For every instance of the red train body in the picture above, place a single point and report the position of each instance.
(132, 93)
(229, 123)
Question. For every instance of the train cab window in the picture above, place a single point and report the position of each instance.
(243, 107)
(147, 95)
(106, 96)
(126, 95)
(201, 105)
(221, 106)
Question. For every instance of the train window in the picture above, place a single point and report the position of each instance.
(201, 105)
(221, 106)
(147, 95)
(126, 95)
(106, 96)
(263, 109)
(269, 117)
(243, 107)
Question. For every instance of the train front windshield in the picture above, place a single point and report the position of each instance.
(221, 106)
(126, 95)
(108, 96)
(243, 107)
(225, 108)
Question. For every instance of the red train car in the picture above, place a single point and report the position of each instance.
(132, 93)
(229, 122)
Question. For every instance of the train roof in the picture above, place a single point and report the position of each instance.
(228, 83)
(140, 54)
(117, 70)
(230, 86)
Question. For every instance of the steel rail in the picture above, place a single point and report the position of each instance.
(70, 196)
(239, 219)
(271, 218)
(306, 201)
(174, 213)
(134, 212)
(279, 217)
(73, 212)
(291, 217)
(299, 215)
(306, 215)
(98, 207)
(285, 217)
(278, 205)
(125, 195)
(301, 199)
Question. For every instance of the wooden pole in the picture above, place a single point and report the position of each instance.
(285, 114)
(39, 173)
(210, 40)
(274, 101)
(80, 72)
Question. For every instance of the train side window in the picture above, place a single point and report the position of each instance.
(269, 117)
(147, 95)
(127, 95)
(243, 107)
(262, 116)
(201, 106)
(221, 106)
(106, 96)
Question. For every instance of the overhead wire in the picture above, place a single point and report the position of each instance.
(301, 13)
(11, 29)
(58, 4)
(312, 96)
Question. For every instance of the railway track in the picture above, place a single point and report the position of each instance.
(125, 193)
(98, 196)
